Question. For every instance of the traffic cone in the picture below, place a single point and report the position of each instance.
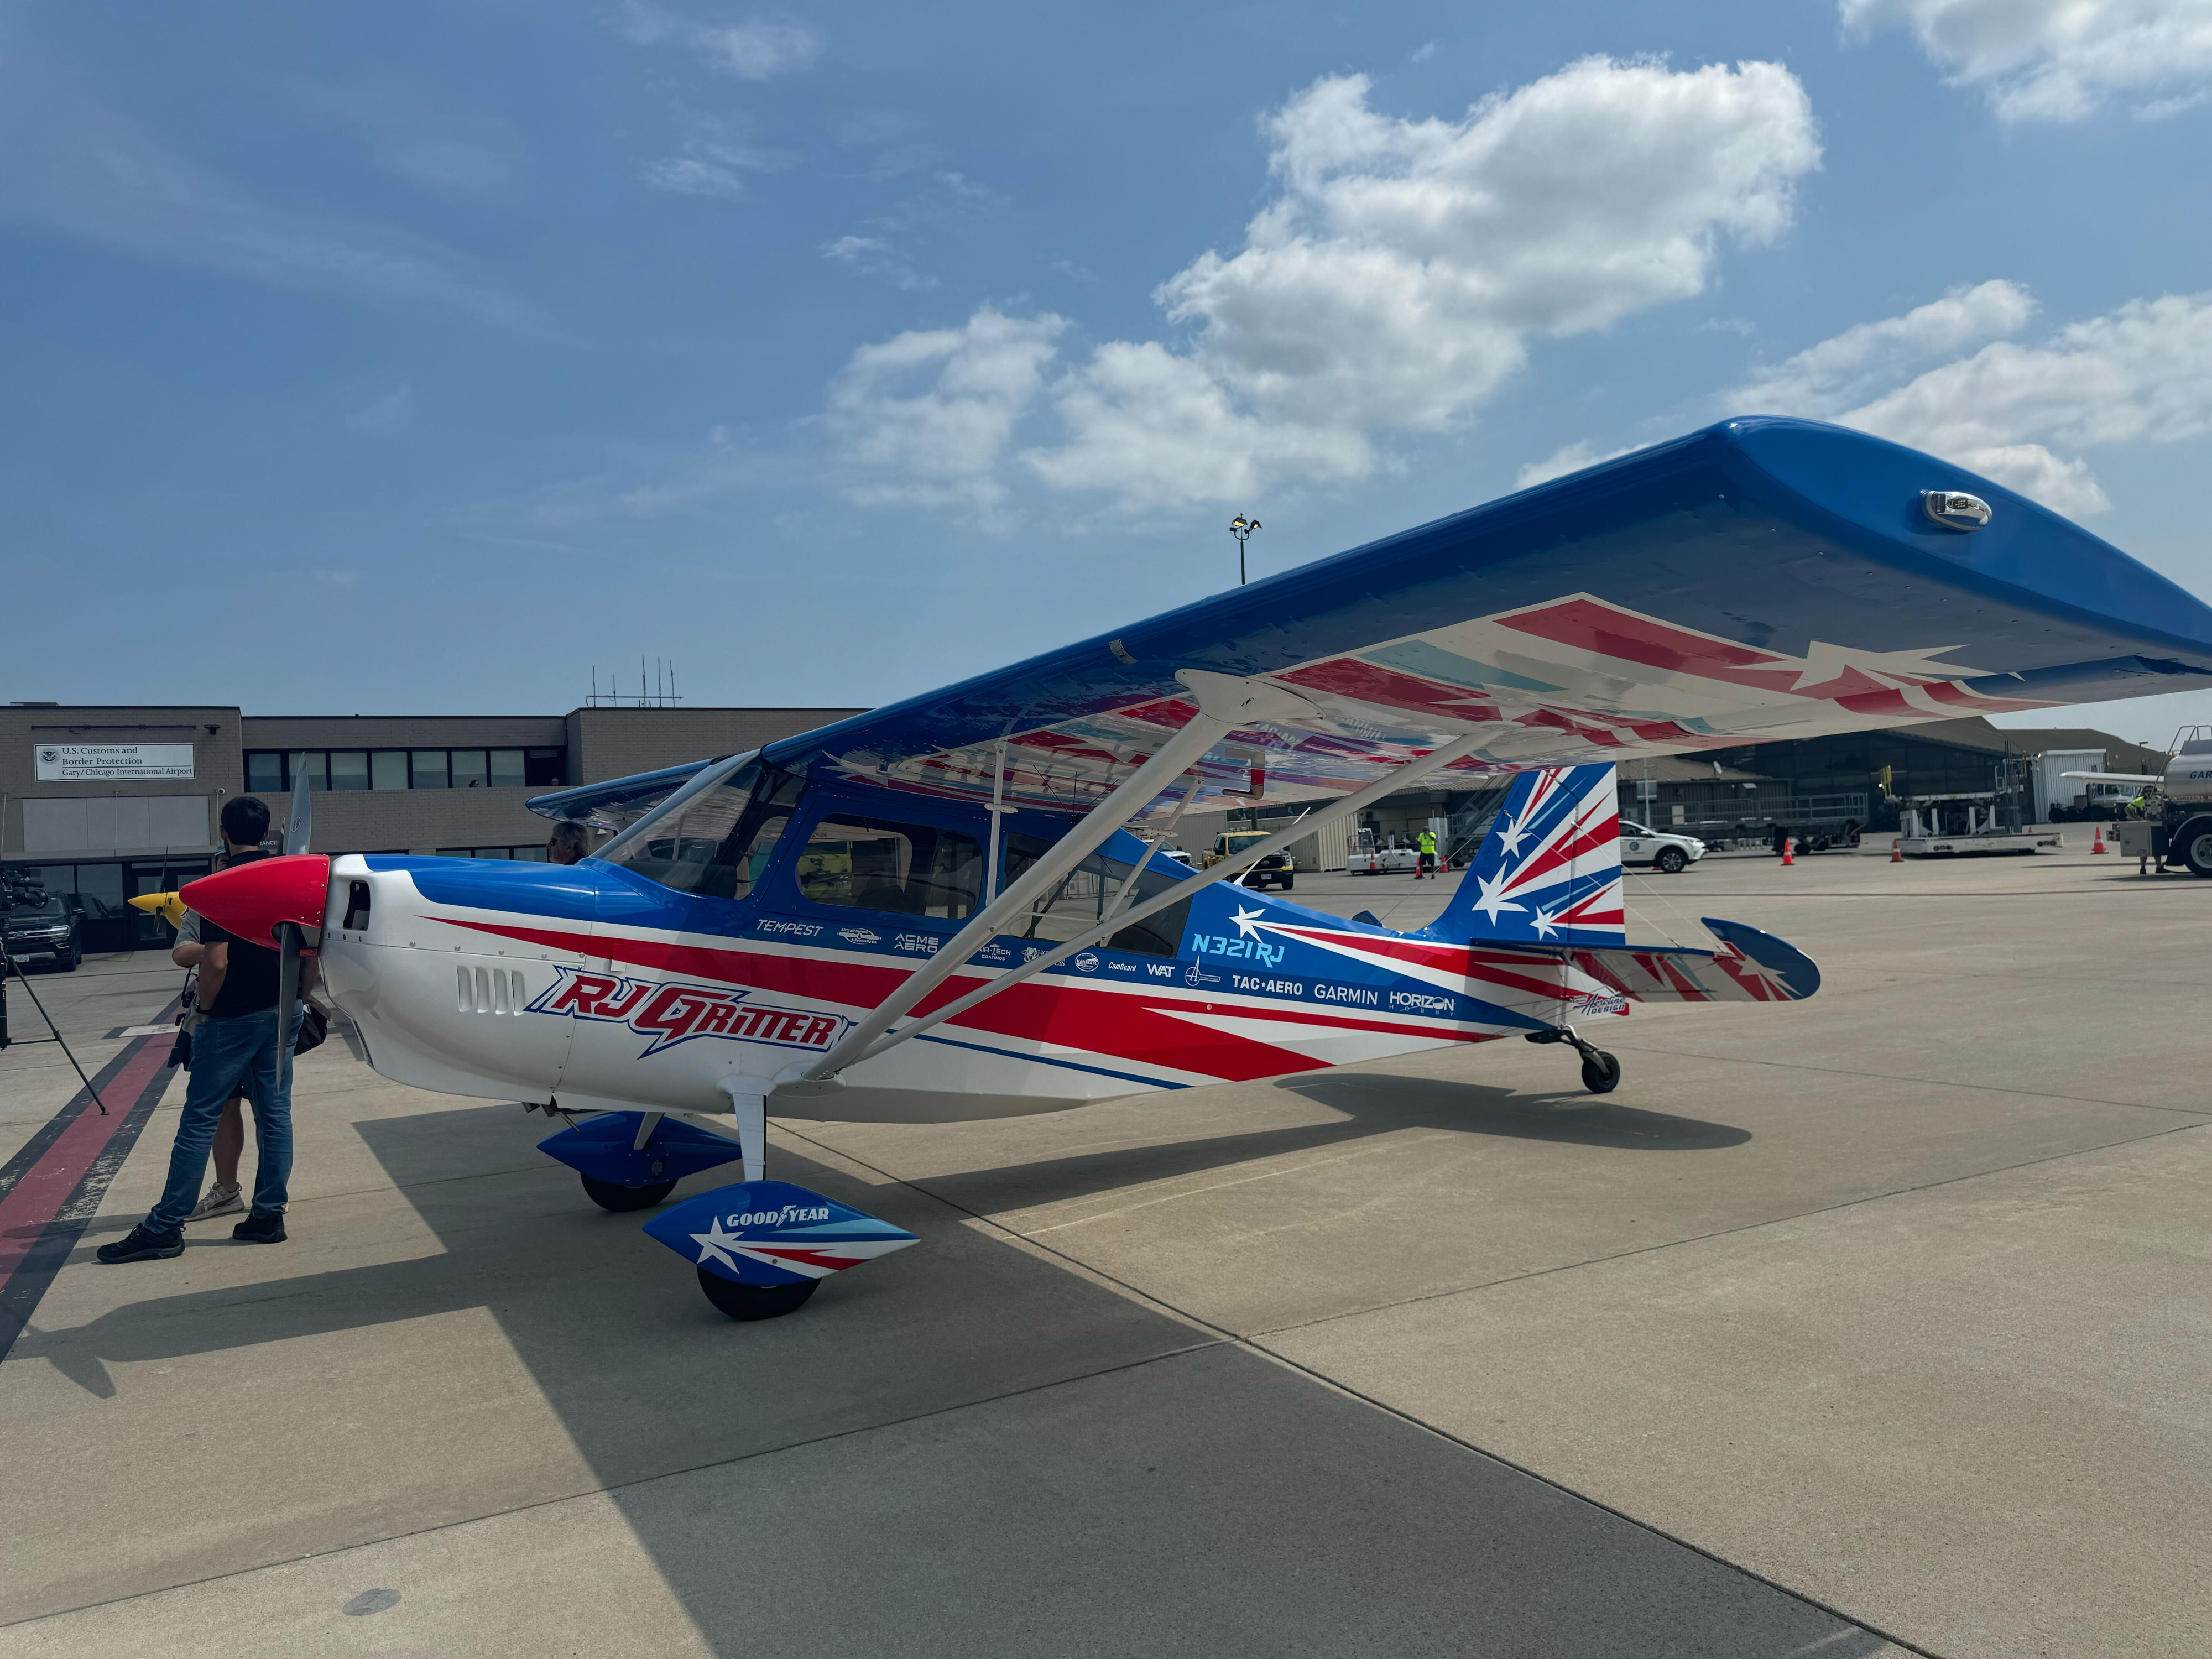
(1896, 849)
(2098, 846)
(1787, 854)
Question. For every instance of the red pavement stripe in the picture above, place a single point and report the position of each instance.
(42, 1190)
(45, 1202)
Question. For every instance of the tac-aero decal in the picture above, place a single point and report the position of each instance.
(670, 1013)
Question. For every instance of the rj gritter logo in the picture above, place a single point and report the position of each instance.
(672, 1013)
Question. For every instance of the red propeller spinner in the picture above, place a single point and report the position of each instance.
(250, 900)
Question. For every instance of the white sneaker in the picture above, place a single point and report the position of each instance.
(220, 1201)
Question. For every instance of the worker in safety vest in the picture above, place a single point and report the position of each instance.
(1426, 840)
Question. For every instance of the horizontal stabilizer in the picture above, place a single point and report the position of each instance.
(1749, 967)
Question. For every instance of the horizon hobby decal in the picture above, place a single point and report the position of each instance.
(670, 1013)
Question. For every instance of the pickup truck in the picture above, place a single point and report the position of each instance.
(1276, 870)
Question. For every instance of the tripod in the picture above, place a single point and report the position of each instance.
(9, 968)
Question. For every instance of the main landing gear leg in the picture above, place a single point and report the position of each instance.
(1600, 1070)
(752, 1131)
(753, 1300)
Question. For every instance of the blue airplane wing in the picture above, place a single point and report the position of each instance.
(1761, 579)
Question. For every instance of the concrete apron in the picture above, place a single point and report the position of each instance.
(1882, 1298)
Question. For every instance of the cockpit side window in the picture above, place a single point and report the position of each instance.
(720, 843)
(879, 863)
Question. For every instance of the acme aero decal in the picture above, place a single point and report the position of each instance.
(670, 1013)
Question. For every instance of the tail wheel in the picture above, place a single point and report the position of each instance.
(1600, 1072)
(1672, 860)
(608, 1196)
(754, 1301)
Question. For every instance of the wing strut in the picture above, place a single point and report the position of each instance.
(1225, 703)
(1396, 779)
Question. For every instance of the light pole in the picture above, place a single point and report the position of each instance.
(1241, 528)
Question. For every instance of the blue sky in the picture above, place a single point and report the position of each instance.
(420, 359)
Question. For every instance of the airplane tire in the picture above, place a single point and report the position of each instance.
(1600, 1072)
(608, 1196)
(1672, 860)
(754, 1301)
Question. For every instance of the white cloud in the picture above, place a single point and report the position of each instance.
(1567, 457)
(924, 418)
(2058, 60)
(757, 50)
(1836, 373)
(384, 414)
(874, 255)
(1404, 266)
(714, 162)
(1162, 431)
(2142, 374)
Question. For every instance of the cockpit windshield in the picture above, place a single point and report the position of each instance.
(715, 841)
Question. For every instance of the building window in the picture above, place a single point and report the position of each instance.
(271, 771)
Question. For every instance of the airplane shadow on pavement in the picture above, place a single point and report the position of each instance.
(969, 1447)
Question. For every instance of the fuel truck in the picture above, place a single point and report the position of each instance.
(2176, 828)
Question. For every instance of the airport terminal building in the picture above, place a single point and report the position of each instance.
(109, 802)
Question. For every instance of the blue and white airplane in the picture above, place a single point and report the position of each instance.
(937, 910)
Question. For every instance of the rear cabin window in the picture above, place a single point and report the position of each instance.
(1079, 902)
(880, 864)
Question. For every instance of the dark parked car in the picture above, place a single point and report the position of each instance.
(41, 932)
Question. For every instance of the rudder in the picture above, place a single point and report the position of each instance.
(1549, 871)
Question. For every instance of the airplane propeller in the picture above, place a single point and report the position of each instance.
(291, 938)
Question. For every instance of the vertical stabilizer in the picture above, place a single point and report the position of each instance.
(1549, 871)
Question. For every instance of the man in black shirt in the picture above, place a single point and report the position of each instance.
(234, 1050)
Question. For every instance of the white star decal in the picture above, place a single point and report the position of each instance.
(1750, 967)
(1546, 922)
(1511, 835)
(1244, 919)
(1493, 898)
(717, 1244)
(1823, 663)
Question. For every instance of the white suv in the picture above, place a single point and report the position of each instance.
(1667, 854)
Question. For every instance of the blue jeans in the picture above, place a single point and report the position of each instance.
(231, 1056)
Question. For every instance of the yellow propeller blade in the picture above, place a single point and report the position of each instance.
(170, 907)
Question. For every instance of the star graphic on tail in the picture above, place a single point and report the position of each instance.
(1493, 899)
(1244, 919)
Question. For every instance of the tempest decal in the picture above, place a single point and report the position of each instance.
(670, 1013)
